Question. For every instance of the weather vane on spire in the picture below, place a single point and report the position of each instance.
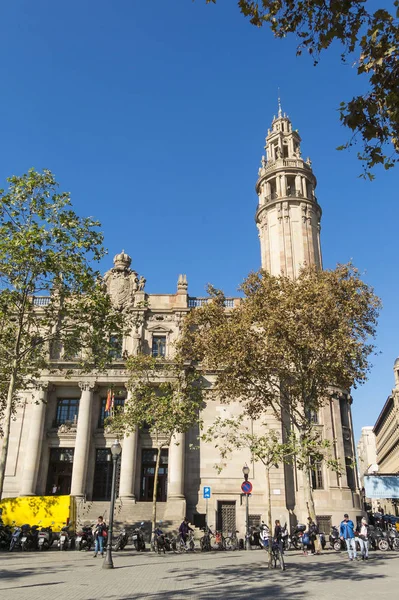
(280, 112)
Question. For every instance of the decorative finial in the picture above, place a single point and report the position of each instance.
(280, 112)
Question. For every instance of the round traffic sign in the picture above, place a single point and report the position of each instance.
(246, 487)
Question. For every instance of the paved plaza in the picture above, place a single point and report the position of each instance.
(227, 576)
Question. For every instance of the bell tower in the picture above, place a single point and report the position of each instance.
(288, 215)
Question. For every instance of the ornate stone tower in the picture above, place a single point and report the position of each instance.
(288, 215)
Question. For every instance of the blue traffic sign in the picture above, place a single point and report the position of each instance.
(246, 487)
(207, 492)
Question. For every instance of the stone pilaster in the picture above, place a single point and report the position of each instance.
(176, 506)
(176, 466)
(82, 442)
(34, 442)
(128, 464)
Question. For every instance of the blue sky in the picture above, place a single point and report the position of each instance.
(153, 115)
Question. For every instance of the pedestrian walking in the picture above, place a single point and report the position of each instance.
(100, 532)
(278, 535)
(312, 531)
(347, 533)
(364, 539)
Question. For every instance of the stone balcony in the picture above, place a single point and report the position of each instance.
(198, 302)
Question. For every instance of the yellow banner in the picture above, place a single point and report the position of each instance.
(39, 510)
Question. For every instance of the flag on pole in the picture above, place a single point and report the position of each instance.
(109, 401)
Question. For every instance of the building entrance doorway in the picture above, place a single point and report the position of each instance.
(148, 460)
(60, 471)
(103, 475)
(226, 516)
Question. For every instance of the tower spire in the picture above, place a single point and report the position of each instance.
(288, 215)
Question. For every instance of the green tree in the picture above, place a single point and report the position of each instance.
(229, 434)
(50, 296)
(283, 347)
(165, 398)
(370, 41)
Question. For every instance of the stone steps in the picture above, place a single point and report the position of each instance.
(126, 513)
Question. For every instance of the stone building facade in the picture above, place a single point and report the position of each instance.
(386, 431)
(366, 453)
(58, 441)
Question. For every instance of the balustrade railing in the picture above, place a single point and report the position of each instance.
(41, 300)
(197, 302)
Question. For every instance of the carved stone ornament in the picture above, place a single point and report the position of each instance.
(86, 386)
(122, 282)
(68, 427)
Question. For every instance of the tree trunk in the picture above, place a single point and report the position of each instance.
(154, 494)
(6, 428)
(310, 503)
(269, 515)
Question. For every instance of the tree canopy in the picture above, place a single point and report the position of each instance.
(165, 398)
(52, 301)
(285, 345)
(370, 41)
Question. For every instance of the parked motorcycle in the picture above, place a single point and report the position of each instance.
(322, 539)
(5, 535)
(393, 537)
(46, 537)
(84, 538)
(378, 538)
(66, 540)
(335, 541)
(29, 537)
(15, 542)
(138, 538)
(121, 540)
(296, 536)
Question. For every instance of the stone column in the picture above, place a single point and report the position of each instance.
(34, 443)
(304, 187)
(128, 464)
(82, 441)
(176, 467)
(278, 186)
(283, 186)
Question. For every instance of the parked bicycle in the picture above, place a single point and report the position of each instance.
(231, 541)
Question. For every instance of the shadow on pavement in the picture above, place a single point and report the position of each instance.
(237, 580)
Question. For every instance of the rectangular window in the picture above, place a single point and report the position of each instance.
(159, 346)
(317, 475)
(119, 403)
(115, 347)
(350, 473)
(344, 410)
(312, 415)
(254, 520)
(324, 523)
(67, 411)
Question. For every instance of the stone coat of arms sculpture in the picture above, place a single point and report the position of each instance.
(122, 282)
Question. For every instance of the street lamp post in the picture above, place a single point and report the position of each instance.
(116, 450)
(245, 472)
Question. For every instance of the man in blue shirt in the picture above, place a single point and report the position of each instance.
(347, 533)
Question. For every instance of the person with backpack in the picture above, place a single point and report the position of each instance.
(363, 539)
(313, 531)
(100, 532)
(347, 533)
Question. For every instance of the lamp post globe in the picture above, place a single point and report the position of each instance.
(116, 450)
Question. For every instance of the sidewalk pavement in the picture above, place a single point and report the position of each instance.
(73, 575)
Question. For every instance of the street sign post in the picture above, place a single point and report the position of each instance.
(207, 492)
(246, 487)
(207, 495)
